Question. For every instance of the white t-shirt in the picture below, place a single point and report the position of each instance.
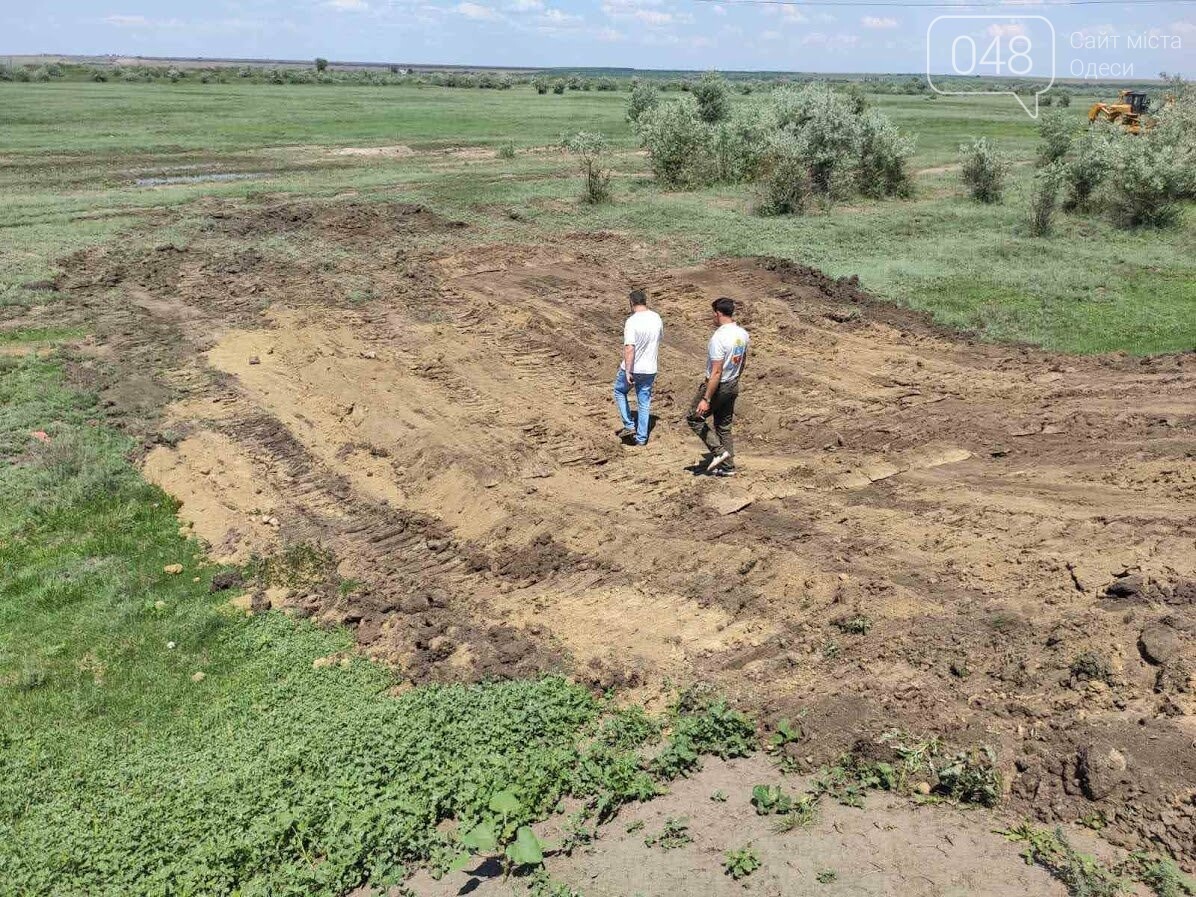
(644, 330)
(729, 344)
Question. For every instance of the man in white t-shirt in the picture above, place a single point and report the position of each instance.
(726, 357)
(641, 345)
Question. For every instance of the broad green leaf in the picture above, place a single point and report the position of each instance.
(460, 861)
(481, 838)
(526, 849)
(505, 802)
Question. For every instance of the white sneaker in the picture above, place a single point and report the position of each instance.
(718, 459)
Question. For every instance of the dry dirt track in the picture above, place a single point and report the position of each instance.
(451, 440)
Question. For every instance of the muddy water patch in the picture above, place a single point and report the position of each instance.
(201, 178)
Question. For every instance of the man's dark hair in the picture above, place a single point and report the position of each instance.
(638, 297)
(724, 306)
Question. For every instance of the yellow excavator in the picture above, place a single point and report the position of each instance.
(1128, 111)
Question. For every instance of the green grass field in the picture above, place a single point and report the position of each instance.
(69, 153)
(108, 760)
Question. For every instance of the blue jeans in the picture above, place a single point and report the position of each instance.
(643, 402)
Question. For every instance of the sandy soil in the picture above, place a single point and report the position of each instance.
(1017, 530)
(889, 848)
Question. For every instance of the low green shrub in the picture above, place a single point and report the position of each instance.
(714, 98)
(677, 141)
(984, 170)
(1145, 183)
(1056, 130)
(812, 140)
(644, 96)
(884, 157)
(784, 186)
(591, 149)
(1044, 198)
(1087, 166)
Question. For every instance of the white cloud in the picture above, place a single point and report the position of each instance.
(718, 10)
(878, 22)
(348, 5)
(1096, 30)
(654, 18)
(608, 35)
(127, 21)
(830, 41)
(526, 5)
(1182, 29)
(770, 35)
(556, 17)
(476, 11)
(791, 14)
(200, 26)
(659, 39)
(1005, 29)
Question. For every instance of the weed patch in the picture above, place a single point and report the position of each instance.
(674, 834)
(911, 765)
(1081, 874)
(1161, 875)
(1085, 876)
(792, 812)
(741, 863)
(714, 729)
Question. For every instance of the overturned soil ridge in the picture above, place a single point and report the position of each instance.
(994, 544)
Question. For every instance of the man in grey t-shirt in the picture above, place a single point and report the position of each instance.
(641, 346)
(726, 357)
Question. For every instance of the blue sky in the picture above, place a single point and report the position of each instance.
(665, 34)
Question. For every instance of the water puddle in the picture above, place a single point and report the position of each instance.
(199, 178)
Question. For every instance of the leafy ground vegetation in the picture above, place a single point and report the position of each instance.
(207, 752)
(1085, 876)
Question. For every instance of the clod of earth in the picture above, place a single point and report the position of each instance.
(226, 579)
(1101, 769)
(1160, 644)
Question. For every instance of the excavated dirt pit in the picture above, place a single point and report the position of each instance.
(990, 543)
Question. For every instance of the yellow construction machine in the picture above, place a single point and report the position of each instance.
(1129, 110)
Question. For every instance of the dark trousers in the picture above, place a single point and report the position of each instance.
(722, 412)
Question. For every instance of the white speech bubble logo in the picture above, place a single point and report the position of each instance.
(1019, 45)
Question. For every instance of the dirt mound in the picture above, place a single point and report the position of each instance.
(348, 220)
(989, 543)
(153, 307)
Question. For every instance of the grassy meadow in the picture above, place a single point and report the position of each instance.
(138, 714)
(71, 152)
